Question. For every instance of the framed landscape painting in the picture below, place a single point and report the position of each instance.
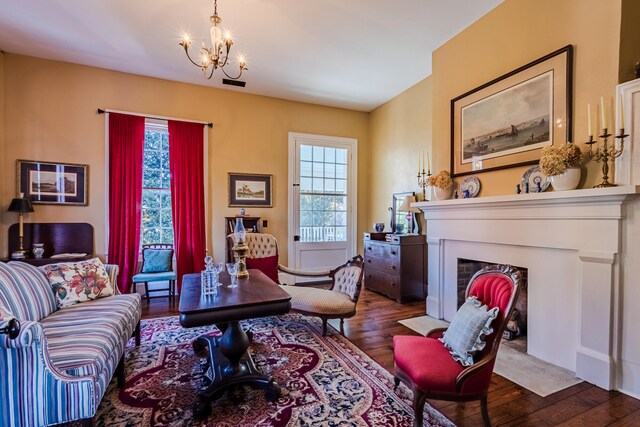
(249, 190)
(507, 121)
(52, 183)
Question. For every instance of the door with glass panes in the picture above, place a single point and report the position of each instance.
(322, 201)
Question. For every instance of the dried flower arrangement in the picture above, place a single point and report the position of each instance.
(556, 160)
(441, 180)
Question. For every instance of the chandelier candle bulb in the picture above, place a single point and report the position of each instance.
(589, 120)
(428, 164)
(603, 121)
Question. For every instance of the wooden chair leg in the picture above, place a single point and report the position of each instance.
(324, 327)
(87, 422)
(484, 408)
(120, 372)
(396, 383)
(419, 399)
(146, 291)
(137, 334)
(342, 326)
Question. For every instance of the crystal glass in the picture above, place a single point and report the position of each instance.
(218, 267)
(232, 269)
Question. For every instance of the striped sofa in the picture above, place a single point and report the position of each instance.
(59, 366)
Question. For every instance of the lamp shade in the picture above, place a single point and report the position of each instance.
(20, 205)
(406, 205)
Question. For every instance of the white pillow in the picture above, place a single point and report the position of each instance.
(466, 333)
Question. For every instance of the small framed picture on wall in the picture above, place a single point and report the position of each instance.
(250, 190)
(53, 183)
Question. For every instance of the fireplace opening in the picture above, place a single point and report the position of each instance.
(515, 334)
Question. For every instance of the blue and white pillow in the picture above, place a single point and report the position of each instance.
(466, 333)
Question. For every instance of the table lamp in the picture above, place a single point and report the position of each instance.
(20, 205)
(414, 225)
(241, 249)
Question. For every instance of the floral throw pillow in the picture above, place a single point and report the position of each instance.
(76, 282)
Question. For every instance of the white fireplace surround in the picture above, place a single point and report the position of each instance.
(572, 244)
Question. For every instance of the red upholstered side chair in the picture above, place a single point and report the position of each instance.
(426, 366)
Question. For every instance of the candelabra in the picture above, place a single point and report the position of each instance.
(423, 179)
(606, 152)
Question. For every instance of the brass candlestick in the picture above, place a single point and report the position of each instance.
(604, 153)
(240, 251)
(422, 182)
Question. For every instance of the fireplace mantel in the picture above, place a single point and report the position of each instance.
(571, 244)
(511, 205)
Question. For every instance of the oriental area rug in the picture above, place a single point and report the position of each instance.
(325, 381)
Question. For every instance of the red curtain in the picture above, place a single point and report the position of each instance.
(186, 163)
(126, 148)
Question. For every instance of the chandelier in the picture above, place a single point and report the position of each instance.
(212, 58)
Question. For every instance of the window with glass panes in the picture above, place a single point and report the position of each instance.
(156, 224)
(323, 194)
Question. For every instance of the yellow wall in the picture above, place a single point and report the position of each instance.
(629, 40)
(399, 131)
(516, 33)
(53, 118)
(513, 34)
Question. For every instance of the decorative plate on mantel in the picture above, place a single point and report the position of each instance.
(533, 176)
(471, 184)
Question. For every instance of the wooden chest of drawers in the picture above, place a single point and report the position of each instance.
(397, 268)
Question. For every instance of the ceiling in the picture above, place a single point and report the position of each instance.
(354, 54)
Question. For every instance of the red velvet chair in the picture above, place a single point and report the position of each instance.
(427, 367)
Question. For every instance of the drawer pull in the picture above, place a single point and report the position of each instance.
(393, 252)
(393, 267)
(369, 261)
(392, 284)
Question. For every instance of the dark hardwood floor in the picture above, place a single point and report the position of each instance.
(373, 328)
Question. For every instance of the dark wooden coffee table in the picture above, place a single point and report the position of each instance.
(231, 365)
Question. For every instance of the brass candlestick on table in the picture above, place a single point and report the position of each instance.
(606, 152)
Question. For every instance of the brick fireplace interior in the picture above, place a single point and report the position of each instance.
(516, 333)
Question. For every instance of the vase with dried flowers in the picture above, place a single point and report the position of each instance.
(442, 185)
(562, 165)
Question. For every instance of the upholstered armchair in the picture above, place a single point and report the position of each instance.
(56, 364)
(426, 366)
(337, 302)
